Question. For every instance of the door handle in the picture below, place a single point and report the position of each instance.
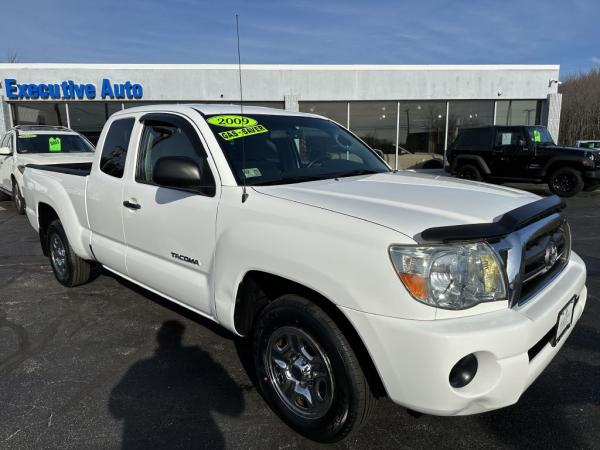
(131, 205)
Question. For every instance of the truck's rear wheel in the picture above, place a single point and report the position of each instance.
(69, 269)
(566, 182)
(308, 372)
(18, 198)
(469, 172)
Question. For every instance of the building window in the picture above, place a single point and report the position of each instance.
(375, 123)
(276, 105)
(88, 118)
(518, 112)
(468, 114)
(33, 113)
(337, 111)
(422, 126)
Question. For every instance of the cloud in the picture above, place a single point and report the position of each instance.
(595, 60)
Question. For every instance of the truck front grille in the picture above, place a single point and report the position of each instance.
(534, 255)
(544, 257)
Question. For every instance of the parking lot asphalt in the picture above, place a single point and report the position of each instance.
(109, 365)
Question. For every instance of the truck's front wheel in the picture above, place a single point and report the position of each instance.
(69, 269)
(566, 182)
(308, 372)
(18, 198)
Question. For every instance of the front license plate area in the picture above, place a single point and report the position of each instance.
(565, 319)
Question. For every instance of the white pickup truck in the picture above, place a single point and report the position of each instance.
(351, 281)
(37, 144)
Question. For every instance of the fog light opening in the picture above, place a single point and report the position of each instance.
(463, 371)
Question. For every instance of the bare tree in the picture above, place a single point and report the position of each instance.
(580, 115)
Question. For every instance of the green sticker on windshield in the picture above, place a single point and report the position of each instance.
(242, 132)
(232, 121)
(55, 144)
(537, 136)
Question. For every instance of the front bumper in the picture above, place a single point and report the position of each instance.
(592, 175)
(414, 358)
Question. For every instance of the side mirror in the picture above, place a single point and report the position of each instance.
(5, 151)
(177, 172)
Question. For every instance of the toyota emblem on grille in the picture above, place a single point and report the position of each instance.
(551, 254)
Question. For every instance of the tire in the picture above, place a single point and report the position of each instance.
(18, 199)
(469, 172)
(314, 356)
(69, 269)
(433, 164)
(565, 182)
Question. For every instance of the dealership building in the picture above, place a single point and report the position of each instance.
(392, 107)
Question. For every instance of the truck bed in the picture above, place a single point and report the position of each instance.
(79, 169)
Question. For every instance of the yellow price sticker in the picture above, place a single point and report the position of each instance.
(242, 132)
(232, 121)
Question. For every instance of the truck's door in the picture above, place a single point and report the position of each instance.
(511, 154)
(104, 195)
(6, 162)
(170, 233)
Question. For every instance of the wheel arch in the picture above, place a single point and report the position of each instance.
(46, 215)
(258, 288)
(559, 162)
(471, 159)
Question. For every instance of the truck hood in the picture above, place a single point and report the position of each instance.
(54, 158)
(406, 202)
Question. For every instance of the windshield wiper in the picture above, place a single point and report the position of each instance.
(289, 180)
(355, 173)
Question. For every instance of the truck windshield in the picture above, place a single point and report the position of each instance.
(276, 149)
(540, 135)
(53, 143)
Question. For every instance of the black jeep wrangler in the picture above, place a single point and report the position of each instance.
(523, 154)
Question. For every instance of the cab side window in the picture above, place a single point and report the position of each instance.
(165, 135)
(114, 150)
(509, 138)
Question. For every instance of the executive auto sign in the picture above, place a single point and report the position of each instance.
(69, 90)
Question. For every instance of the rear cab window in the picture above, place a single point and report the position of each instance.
(114, 150)
(480, 138)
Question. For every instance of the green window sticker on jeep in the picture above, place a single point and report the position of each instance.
(537, 136)
(232, 121)
(242, 132)
(55, 144)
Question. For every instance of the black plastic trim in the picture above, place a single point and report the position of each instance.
(79, 169)
(511, 221)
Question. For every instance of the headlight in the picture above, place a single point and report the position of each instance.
(450, 276)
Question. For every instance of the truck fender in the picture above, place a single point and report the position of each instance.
(574, 160)
(471, 158)
(77, 232)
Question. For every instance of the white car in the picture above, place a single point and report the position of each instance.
(37, 144)
(351, 281)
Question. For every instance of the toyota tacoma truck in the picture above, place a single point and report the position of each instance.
(349, 280)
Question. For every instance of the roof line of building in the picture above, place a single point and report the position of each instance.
(356, 67)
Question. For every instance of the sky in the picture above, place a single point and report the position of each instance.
(306, 32)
